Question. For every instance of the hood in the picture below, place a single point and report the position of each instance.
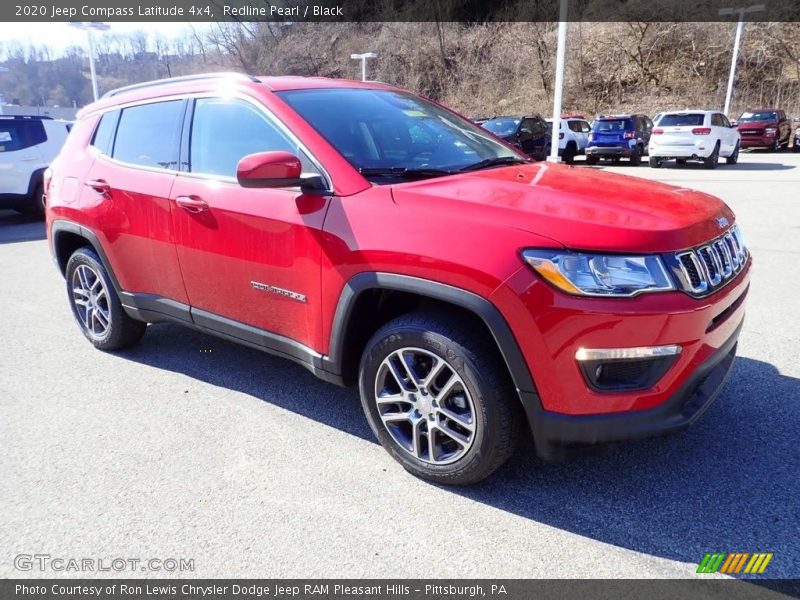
(582, 209)
(756, 124)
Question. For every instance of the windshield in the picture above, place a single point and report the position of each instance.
(678, 120)
(503, 126)
(612, 125)
(758, 116)
(379, 131)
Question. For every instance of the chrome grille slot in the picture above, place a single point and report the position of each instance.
(711, 266)
(703, 270)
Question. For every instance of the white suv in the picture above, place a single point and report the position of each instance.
(572, 137)
(27, 147)
(702, 135)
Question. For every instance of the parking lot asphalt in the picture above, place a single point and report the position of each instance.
(191, 447)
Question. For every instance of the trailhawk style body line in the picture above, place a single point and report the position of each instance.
(377, 238)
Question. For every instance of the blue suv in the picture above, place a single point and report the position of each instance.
(619, 136)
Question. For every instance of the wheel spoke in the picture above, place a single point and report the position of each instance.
(424, 405)
(442, 394)
(454, 435)
(101, 317)
(80, 291)
(399, 377)
(438, 366)
(432, 444)
(462, 422)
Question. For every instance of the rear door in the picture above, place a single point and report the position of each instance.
(721, 130)
(125, 196)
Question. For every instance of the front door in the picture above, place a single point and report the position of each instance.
(248, 255)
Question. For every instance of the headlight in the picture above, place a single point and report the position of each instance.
(600, 274)
(770, 131)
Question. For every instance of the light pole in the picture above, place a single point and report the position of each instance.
(363, 58)
(741, 12)
(559, 86)
(89, 27)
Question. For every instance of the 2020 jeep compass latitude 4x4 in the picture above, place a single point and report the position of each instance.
(377, 238)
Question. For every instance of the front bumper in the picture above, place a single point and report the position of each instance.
(762, 141)
(564, 410)
(554, 432)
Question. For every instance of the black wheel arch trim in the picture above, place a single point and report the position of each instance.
(488, 313)
(60, 226)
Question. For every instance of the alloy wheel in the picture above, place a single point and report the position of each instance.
(425, 406)
(91, 301)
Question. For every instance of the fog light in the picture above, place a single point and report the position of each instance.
(625, 369)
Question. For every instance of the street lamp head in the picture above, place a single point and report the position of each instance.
(729, 12)
(364, 55)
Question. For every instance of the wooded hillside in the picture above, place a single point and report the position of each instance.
(478, 69)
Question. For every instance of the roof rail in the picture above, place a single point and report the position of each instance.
(184, 79)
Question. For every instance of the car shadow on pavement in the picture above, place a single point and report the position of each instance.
(730, 483)
(740, 166)
(15, 227)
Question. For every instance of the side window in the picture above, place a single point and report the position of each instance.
(538, 126)
(18, 134)
(104, 133)
(147, 134)
(226, 130)
(725, 122)
(585, 127)
(716, 120)
(527, 126)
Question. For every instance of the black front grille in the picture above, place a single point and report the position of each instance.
(691, 269)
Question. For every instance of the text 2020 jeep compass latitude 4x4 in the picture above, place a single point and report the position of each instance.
(375, 237)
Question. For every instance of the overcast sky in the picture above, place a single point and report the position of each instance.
(59, 36)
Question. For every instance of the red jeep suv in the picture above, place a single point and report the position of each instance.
(377, 238)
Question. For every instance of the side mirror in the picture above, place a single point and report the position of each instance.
(274, 169)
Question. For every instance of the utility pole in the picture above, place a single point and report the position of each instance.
(741, 12)
(89, 27)
(559, 86)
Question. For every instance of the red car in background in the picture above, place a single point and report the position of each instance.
(765, 128)
(379, 239)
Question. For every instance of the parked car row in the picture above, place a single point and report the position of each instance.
(688, 135)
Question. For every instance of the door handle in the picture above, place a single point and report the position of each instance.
(98, 185)
(191, 204)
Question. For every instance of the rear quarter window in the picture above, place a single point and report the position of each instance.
(103, 137)
(19, 134)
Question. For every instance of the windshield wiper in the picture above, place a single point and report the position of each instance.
(403, 172)
(494, 162)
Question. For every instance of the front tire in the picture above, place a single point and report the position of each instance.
(655, 163)
(96, 305)
(591, 160)
(439, 399)
(569, 154)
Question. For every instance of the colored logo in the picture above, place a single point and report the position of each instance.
(733, 563)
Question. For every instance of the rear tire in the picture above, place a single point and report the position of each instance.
(569, 154)
(591, 160)
(636, 157)
(35, 206)
(456, 418)
(734, 157)
(96, 305)
(713, 160)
